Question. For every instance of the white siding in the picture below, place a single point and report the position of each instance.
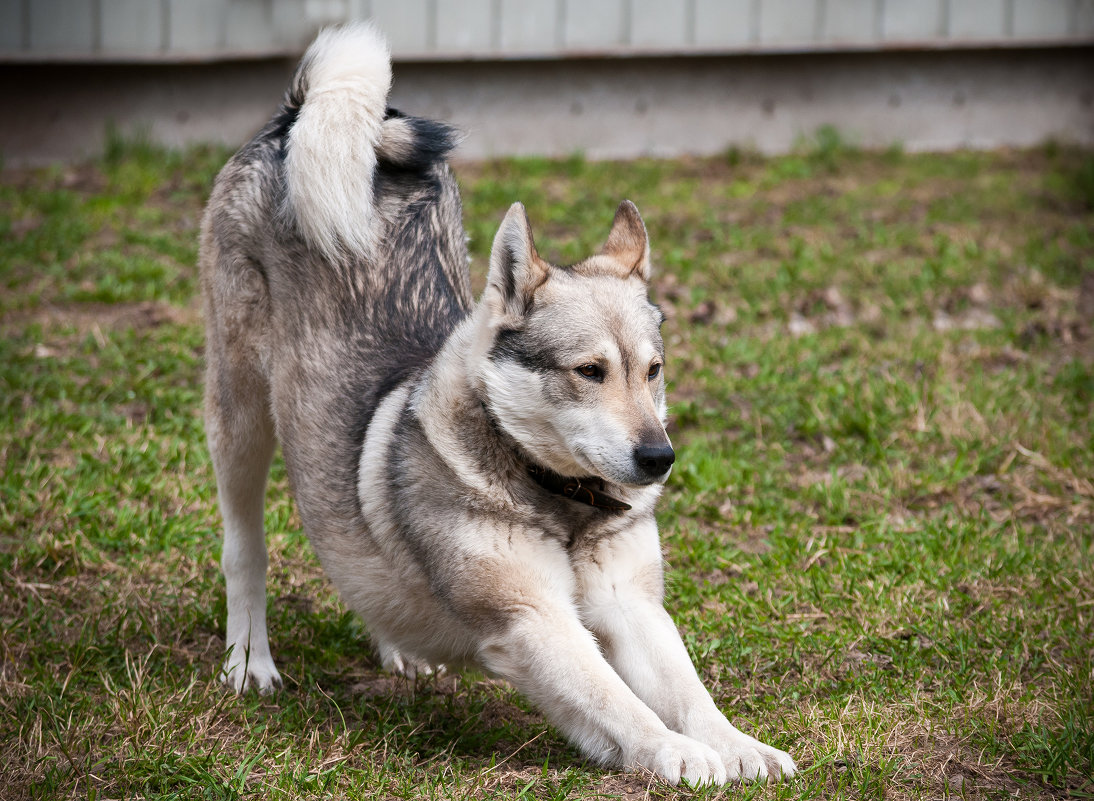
(657, 25)
(1050, 19)
(851, 22)
(489, 29)
(594, 24)
(725, 24)
(11, 26)
(914, 21)
(978, 20)
(529, 26)
(131, 26)
(465, 27)
(58, 26)
(406, 24)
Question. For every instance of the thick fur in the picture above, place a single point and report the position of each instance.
(340, 323)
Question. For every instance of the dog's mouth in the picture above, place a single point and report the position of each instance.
(642, 482)
(635, 478)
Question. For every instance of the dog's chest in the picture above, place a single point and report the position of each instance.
(579, 528)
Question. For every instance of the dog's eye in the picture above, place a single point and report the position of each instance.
(591, 371)
(655, 370)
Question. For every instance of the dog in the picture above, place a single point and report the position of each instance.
(477, 479)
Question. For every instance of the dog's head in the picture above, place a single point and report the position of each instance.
(573, 368)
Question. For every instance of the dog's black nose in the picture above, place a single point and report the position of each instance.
(653, 460)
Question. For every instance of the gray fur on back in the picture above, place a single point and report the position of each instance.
(332, 338)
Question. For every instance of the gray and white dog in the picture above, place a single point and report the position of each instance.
(478, 480)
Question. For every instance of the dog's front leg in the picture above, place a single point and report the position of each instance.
(531, 635)
(621, 592)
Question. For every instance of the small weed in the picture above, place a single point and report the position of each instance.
(137, 145)
(893, 154)
(1082, 180)
(828, 147)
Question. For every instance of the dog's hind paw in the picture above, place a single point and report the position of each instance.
(395, 661)
(251, 674)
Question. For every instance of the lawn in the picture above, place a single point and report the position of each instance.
(879, 533)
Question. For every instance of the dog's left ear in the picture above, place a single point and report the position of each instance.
(516, 270)
(628, 243)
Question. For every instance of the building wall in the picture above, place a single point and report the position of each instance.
(189, 30)
(609, 78)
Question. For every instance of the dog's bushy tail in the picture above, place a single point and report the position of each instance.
(340, 93)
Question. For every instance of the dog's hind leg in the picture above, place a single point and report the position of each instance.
(241, 439)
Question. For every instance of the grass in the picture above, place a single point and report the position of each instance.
(880, 531)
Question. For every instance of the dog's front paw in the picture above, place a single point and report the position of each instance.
(256, 672)
(677, 758)
(747, 759)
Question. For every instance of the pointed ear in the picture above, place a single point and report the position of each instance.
(628, 243)
(516, 270)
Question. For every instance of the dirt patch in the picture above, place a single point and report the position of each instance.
(65, 327)
(86, 317)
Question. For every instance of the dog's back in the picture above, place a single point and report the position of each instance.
(332, 254)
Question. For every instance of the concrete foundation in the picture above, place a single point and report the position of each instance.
(605, 108)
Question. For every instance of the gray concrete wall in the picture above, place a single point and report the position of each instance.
(606, 108)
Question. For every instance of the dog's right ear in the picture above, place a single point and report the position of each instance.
(516, 270)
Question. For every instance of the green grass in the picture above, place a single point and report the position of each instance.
(880, 531)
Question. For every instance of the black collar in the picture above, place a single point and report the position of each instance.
(588, 490)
